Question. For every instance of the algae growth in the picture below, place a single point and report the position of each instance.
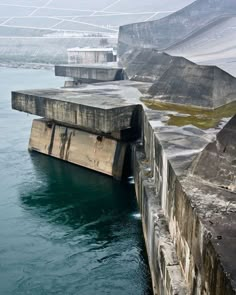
(181, 115)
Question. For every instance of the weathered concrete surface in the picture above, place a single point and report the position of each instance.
(204, 86)
(90, 73)
(222, 156)
(215, 45)
(167, 32)
(90, 55)
(167, 276)
(148, 64)
(103, 108)
(78, 147)
(177, 80)
(199, 215)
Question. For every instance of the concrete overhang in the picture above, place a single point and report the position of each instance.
(90, 73)
(103, 108)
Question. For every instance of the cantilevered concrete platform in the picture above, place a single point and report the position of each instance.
(104, 108)
(90, 73)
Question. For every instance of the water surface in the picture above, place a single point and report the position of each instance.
(63, 229)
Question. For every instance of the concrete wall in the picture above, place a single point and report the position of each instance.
(90, 74)
(184, 219)
(166, 272)
(177, 80)
(78, 147)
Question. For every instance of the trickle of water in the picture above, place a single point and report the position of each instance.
(136, 216)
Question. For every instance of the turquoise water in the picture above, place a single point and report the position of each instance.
(63, 229)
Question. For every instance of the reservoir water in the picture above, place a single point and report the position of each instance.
(63, 229)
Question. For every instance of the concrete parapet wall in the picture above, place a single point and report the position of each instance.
(78, 147)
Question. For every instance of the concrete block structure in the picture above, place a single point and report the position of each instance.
(88, 108)
(79, 55)
(94, 73)
(84, 126)
(92, 151)
(164, 34)
(177, 80)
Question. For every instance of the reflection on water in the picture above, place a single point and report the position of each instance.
(64, 229)
(66, 195)
(180, 115)
(95, 217)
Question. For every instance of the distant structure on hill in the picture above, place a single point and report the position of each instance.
(91, 55)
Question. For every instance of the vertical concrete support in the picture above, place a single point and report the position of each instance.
(92, 151)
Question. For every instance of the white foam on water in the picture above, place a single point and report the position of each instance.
(136, 216)
(131, 180)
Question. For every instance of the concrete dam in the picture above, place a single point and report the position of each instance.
(171, 123)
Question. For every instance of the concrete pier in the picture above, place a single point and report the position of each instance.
(79, 147)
